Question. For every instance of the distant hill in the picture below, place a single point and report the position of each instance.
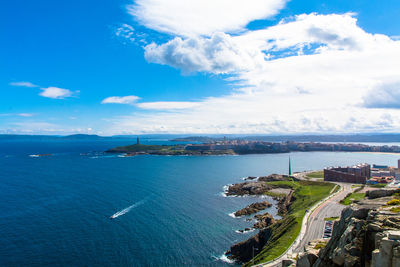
(379, 138)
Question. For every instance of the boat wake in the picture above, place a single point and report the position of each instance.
(128, 209)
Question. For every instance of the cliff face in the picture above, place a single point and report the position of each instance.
(367, 234)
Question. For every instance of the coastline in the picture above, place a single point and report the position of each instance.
(269, 236)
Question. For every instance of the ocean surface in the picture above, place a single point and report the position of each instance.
(169, 210)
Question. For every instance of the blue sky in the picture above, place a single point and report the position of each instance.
(127, 67)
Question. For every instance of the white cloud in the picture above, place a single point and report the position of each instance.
(167, 105)
(130, 99)
(383, 96)
(55, 93)
(202, 17)
(223, 53)
(25, 114)
(310, 73)
(219, 53)
(23, 84)
(126, 31)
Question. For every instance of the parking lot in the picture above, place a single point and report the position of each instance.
(328, 229)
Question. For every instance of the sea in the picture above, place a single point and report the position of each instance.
(167, 210)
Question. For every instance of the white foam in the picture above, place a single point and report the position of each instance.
(224, 258)
(34, 156)
(244, 231)
(225, 190)
(232, 215)
(128, 209)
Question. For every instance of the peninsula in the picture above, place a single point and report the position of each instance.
(242, 147)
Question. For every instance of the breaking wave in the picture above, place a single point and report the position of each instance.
(224, 258)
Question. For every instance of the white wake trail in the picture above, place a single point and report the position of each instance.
(128, 209)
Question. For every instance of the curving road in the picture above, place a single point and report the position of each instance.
(316, 222)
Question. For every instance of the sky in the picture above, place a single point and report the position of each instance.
(199, 67)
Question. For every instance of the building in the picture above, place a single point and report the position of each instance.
(357, 174)
(375, 166)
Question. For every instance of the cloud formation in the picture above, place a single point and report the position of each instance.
(130, 99)
(383, 96)
(23, 84)
(126, 32)
(167, 105)
(55, 92)
(308, 73)
(202, 17)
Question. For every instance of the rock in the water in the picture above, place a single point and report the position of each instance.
(249, 188)
(253, 208)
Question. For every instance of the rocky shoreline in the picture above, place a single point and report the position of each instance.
(257, 186)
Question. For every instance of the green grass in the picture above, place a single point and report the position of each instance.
(350, 198)
(393, 202)
(377, 185)
(284, 184)
(317, 174)
(395, 209)
(320, 245)
(331, 218)
(285, 231)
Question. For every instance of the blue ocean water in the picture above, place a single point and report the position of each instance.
(55, 211)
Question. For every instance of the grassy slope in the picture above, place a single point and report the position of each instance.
(317, 174)
(307, 194)
(350, 198)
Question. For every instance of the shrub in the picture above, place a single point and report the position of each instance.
(393, 202)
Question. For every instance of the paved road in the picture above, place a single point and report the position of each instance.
(330, 208)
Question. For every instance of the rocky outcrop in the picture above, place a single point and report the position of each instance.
(263, 221)
(284, 203)
(249, 188)
(245, 250)
(253, 208)
(380, 193)
(367, 234)
(276, 177)
(306, 260)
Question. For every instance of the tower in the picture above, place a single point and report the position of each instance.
(137, 140)
(290, 167)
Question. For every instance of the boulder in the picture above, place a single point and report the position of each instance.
(253, 208)
(263, 221)
(306, 260)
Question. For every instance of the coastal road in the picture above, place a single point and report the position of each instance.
(316, 222)
(314, 227)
